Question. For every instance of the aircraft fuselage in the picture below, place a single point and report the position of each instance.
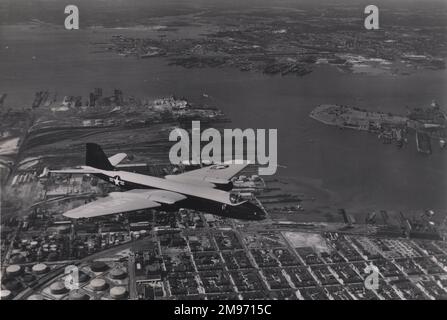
(199, 197)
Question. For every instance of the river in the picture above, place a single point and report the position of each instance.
(352, 169)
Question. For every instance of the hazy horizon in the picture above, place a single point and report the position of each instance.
(94, 12)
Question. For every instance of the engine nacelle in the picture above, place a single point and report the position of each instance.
(221, 184)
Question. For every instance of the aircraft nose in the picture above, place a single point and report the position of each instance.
(257, 212)
(261, 215)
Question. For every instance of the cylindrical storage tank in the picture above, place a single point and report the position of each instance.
(5, 295)
(17, 258)
(13, 270)
(98, 284)
(78, 295)
(28, 278)
(40, 268)
(118, 273)
(83, 277)
(36, 297)
(58, 288)
(12, 284)
(99, 266)
(118, 293)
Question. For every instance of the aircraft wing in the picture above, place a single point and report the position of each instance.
(215, 172)
(117, 158)
(118, 202)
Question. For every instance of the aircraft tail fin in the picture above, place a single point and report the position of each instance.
(96, 158)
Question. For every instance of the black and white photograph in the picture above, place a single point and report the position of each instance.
(248, 152)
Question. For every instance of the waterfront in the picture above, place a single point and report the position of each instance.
(340, 169)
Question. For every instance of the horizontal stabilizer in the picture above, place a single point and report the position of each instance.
(117, 158)
(74, 171)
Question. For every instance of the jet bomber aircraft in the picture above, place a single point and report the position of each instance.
(205, 189)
